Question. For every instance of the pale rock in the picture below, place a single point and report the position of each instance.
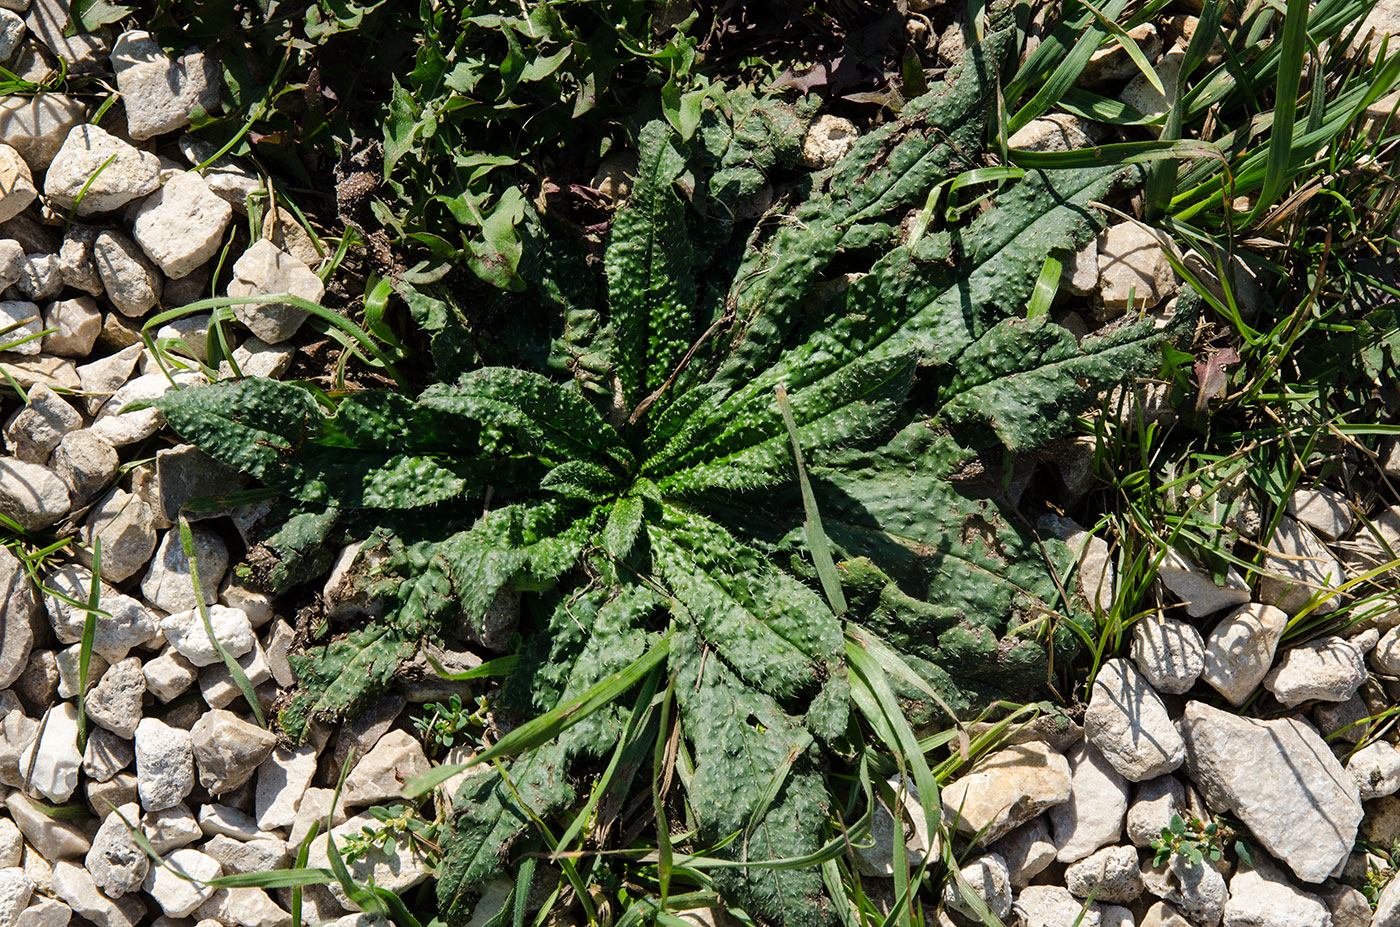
(106, 754)
(1115, 915)
(216, 819)
(1195, 588)
(379, 776)
(1387, 912)
(38, 869)
(1154, 803)
(53, 760)
(229, 180)
(116, 861)
(126, 528)
(164, 764)
(1093, 816)
(1259, 900)
(256, 358)
(85, 463)
(827, 141)
(127, 623)
(1376, 769)
(1329, 669)
(130, 174)
(1170, 654)
(184, 472)
(243, 907)
(1053, 906)
(177, 896)
(169, 674)
(37, 685)
(1052, 132)
(395, 866)
(1134, 272)
(314, 808)
(1343, 721)
(161, 93)
(876, 860)
(11, 844)
(115, 702)
(75, 886)
(258, 606)
(988, 878)
(40, 279)
(36, 428)
(186, 632)
(36, 126)
(228, 750)
(1280, 779)
(39, 369)
(1348, 906)
(1196, 889)
(19, 618)
(218, 686)
(15, 888)
(1006, 789)
(279, 644)
(130, 280)
(264, 269)
(119, 428)
(44, 912)
(1142, 96)
(1382, 23)
(1128, 723)
(11, 262)
(358, 735)
(16, 183)
(180, 342)
(17, 732)
(82, 52)
(281, 780)
(1111, 874)
(69, 662)
(53, 838)
(102, 378)
(79, 270)
(167, 585)
(170, 828)
(1111, 62)
(1095, 573)
(1323, 510)
(1297, 566)
(1386, 655)
(262, 854)
(117, 791)
(28, 317)
(1082, 276)
(182, 224)
(1241, 649)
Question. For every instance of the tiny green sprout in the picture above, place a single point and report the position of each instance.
(1197, 841)
(444, 723)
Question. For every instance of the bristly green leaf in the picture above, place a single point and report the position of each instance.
(649, 271)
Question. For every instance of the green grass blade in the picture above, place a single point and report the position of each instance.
(239, 677)
(1293, 51)
(89, 635)
(817, 542)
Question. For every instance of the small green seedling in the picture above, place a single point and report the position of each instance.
(1197, 841)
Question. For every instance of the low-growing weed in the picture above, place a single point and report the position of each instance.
(738, 502)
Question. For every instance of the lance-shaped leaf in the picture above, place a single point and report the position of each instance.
(587, 639)
(755, 781)
(1026, 377)
(777, 634)
(651, 283)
